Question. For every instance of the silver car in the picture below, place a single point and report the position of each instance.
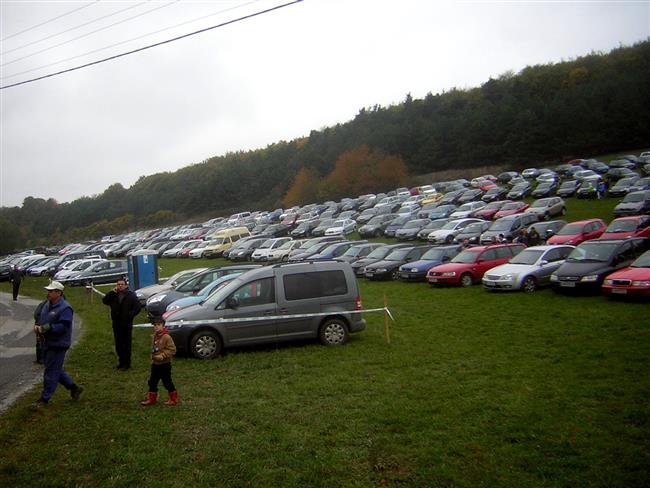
(545, 208)
(528, 270)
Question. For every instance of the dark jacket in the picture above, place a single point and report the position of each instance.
(124, 308)
(59, 316)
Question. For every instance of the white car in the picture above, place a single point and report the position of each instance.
(528, 270)
(341, 227)
(74, 268)
(282, 253)
(197, 252)
(262, 252)
(467, 209)
(449, 231)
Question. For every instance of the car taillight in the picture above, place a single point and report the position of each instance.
(357, 303)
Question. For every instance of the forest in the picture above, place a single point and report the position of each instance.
(540, 116)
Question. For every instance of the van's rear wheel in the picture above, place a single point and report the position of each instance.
(206, 344)
(333, 332)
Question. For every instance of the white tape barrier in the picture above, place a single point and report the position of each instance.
(180, 323)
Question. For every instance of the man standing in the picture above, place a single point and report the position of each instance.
(16, 278)
(55, 326)
(124, 307)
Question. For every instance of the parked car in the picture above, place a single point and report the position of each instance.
(341, 227)
(589, 263)
(568, 188)
(409, 231)
(200, 296)
(395, 224)
(547, 229)
(588, 190)
(75, 268)
(282, 253)
(489, 211)
(615, 173)
(376, 225)
(496, 193)
(417, 270)
(472, 195)
(622, 187)
(575, 233)
(508, 227)
(99, 273)
(545, 208)
(311, 246)
(622, 227)
(442, 212)
(447, 233)
(359, 266)
(262, 252)
(333, 251)
(359, 251)
(511, 208)
(641, 184)
(520, 190)
(530, 173)
(304, 229)
(467, 210)
(324, 224)
(473, 232)
(634, 203)
(145, 292)
(423, 234)
(528, 270)
(388, 268)
(470, 265)
(244, 251)
(633, 281)
(322, 300)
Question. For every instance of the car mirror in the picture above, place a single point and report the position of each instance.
(543, 262)
(174, 284)
(232, 302)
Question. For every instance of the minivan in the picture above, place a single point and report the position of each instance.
(223, 239)
(508, 226)
(282, 302)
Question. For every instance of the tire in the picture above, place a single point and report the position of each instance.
(285, 258)
(206, 344)
(529, 285)
(563, 211)
(378, 233)
(333, 332)
(547, 216)
(394, 275)
(466, 280)
(449, 239)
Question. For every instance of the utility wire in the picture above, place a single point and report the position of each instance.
(73, 28)
(239, 19)
(89, 33)
(51, 20)
(127, 41)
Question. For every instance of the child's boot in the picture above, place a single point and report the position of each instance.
(173, 399)
(151, 399)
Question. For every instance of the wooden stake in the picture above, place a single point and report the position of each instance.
(386, 328)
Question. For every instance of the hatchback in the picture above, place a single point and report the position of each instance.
(631, 281)
(575, 233)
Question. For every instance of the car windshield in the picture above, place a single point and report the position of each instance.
(568, 184)
(622, 226)
(520, 186)
(450, 225)
(592, 252)
(214, 242)
(413, 224)
(286, 245)
(379, 253)
(400, 220)
(466, 257)
(512, 206)
(493, 206)
(642, 261)
(492, 191)
(398, 255)
(326, 223)
(527, 256)
(634, 197)
(499, 225)
(544, 186)
(464, 207)
(544, 202)
(570, 230)
(434, 254)
(475, 227)
(354, 251)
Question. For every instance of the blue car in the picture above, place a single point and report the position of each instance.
(201, 295)
(417, 270)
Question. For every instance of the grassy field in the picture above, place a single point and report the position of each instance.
(474, 389)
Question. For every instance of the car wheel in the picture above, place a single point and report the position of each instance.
(333, 332)
(449, 239)
(563, 211)
(44, 273)
(466, 280)
(529, 285)
(205, 344)
(378, 233)
(394, 275)
(546, 216)
(285, 258)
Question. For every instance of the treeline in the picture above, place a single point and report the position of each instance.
(544, 114)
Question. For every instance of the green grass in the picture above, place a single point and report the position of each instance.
(474, 389)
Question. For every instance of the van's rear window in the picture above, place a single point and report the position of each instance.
(301, 286)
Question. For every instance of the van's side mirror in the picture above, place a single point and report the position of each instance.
(232, 302)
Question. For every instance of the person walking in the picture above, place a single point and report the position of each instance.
(124, 307)
(55, 326)
(162, 350)
(16, 278)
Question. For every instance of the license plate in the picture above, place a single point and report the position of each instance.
(369, 274)
(621, 291)
(567, 284)
(433, 280)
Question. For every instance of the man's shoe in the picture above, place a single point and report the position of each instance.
(40, 403)
(76, 392)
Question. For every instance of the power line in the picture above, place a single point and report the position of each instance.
(126, 41)
(51, 20)
(72, 28)
(239, 19)
(89, 33)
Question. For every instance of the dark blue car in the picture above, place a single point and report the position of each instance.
(417, 270)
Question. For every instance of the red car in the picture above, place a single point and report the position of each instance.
(635, 226)
(575, 233)
(469, 266)
(631, 281)
(487, 212)
(511, 209)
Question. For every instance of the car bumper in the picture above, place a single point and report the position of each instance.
(410, 276)
(499, 284)
(630, 291)
(442, 280)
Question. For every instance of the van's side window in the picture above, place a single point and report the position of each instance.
(300, 286)
(256, 292)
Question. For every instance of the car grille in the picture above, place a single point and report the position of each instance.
(492, 277)
(569, 278)
(621, 282)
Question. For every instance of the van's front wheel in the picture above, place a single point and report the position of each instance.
(333, 332)
(205, 344)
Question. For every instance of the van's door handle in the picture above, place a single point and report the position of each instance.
(283, 310)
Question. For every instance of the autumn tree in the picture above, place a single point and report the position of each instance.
(303, 189)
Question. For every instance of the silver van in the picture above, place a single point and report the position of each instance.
(282, 302)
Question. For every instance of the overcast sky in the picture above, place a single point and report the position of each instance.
(272, 77)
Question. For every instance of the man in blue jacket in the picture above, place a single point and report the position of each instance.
(55, 326)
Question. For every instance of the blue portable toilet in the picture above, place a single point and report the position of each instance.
(143, 268)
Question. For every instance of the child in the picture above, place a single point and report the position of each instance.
(162, 350)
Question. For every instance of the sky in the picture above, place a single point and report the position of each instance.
(271, 77)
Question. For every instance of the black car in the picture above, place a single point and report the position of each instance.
(473, 232)
(519, 191)
(615, 174)
(359, 266)
(409, 231)
(303, 229)
(376, 225)
(546, 189)
(622, 186)
(157, 304)
(440, 212)
(388, 268)
(277, 230)
(99, 273)
(588, 264)
(568, 188)
(471, 195)
(359, 251)
(243, 252)
(634, 203)
(452, 197)
(494, 194)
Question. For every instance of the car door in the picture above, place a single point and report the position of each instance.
(554, 259)
(255, 302)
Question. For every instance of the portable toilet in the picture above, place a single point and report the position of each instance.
(143, 268)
